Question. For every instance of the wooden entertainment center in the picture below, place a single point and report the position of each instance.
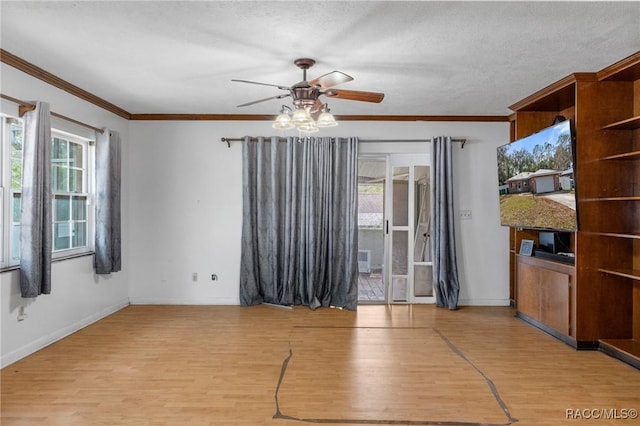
(594, 304)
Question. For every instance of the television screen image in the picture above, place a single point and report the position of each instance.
(536, 180)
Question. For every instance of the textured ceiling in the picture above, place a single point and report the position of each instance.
(429, 58)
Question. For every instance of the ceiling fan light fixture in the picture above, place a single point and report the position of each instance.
(301, 116)
(305, 98)
(326, 119)
(283, 121)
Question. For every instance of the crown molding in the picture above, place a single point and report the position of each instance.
(626, 69)
(203, 117)
(37, 72)
(468, 118)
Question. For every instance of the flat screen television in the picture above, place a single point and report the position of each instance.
(536, 180)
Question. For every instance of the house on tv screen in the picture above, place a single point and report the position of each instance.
(540, 181)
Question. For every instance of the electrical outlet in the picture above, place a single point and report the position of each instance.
(465, 214)
(194, 277)
(214, 277)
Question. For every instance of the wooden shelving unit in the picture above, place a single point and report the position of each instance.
(604, 297)
(621, 133)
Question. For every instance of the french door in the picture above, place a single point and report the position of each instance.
(408, 275)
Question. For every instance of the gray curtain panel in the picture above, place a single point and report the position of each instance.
(300, 230)
(445, 267)
(108, 234)
(36, 203)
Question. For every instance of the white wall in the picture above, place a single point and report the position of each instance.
(78, 297)
(186, 211)
(186, 206)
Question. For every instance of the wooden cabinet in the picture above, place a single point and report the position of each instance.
(544, 295)
(604, 294)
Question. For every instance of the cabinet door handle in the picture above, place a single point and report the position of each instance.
(386, 227)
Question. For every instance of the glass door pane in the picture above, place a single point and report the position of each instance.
(399, 265)
(400, 212)
(422, 262)
(400, 196)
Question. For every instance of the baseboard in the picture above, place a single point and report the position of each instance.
(45, 341)
(168, 301)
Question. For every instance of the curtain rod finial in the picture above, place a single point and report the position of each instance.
(227, 141)
(23, 109)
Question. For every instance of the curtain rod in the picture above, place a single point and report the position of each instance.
(28, 106)
(283, 139)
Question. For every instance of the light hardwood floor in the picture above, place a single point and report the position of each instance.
(226, 365)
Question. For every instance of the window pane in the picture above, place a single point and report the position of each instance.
(75, 180)
(61, 236)
(59, 151)
(16, 141)
(75, 154)
(16, 174)
(16, 156)
(16, 207)
(79, 205)
(61, 208)
(59, 177)
(79, 234)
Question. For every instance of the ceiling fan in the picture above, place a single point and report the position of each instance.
(306, 94)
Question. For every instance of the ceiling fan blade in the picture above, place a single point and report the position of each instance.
(331, 79)
(265, 99)
(355, 95)
(262, 84)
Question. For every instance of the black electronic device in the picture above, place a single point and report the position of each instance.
(554, 242)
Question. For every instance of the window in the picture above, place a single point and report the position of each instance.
(11, 177)
(71, 185)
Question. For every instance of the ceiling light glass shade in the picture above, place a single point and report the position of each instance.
(301, 116)
(326, 120)
(283, 122)
(308, 127)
